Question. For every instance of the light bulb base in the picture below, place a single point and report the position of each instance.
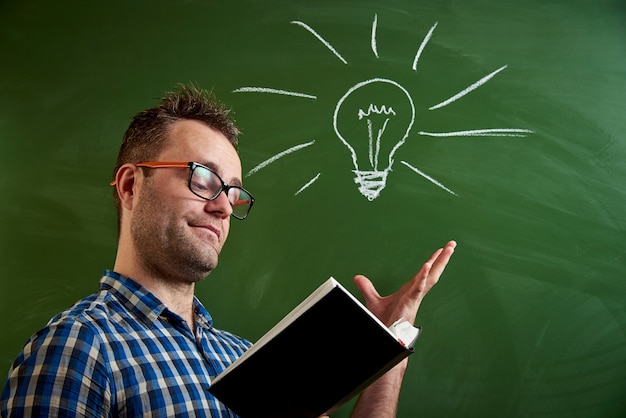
(371, 183)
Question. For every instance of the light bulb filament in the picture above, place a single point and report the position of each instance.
(374, 147)
(375, 109)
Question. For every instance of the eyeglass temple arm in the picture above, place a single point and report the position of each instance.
(157, 164)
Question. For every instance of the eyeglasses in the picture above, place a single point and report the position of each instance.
(207, 184)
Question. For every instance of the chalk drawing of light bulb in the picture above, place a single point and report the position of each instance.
(373, 119)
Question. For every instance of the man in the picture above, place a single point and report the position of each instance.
(144, 345)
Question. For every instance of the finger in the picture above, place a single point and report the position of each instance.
(432, 259)
(430, 271)
(423, 272)
(441, 260)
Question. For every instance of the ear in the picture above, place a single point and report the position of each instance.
(126, 181)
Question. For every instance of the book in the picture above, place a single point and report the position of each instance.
(323, 353)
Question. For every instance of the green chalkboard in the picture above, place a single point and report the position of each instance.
(511, 141)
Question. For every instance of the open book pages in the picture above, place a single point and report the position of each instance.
(405, 332)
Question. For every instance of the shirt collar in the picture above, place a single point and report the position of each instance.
(203, 318)
(144, 304)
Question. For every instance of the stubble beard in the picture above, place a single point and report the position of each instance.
(165, 244)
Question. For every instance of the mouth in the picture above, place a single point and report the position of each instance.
(209, 229)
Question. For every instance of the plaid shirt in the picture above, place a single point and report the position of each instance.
(120, 352)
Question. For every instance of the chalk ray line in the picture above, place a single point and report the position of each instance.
(468, 89)
(423, 45)
(273, 91)
(277, 156)
(322, 40)
(483, 132)
(313, 180)
(374, 25)
(427, 177)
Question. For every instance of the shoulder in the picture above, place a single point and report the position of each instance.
(58, 359)
(80, 322)
(73, 334)
(71, 341)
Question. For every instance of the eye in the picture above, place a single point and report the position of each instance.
(204, 181)
(199, 185)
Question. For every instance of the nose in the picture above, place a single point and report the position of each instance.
(220, 205)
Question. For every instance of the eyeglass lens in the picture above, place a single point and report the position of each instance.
(209, 185)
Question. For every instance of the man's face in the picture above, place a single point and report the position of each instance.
(178, 236)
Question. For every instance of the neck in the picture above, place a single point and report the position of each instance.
(178, 296)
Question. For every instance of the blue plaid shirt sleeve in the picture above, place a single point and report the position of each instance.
(61, 373)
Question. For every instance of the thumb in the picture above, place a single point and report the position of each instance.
(366, 288)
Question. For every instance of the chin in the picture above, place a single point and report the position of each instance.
(193, 269)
